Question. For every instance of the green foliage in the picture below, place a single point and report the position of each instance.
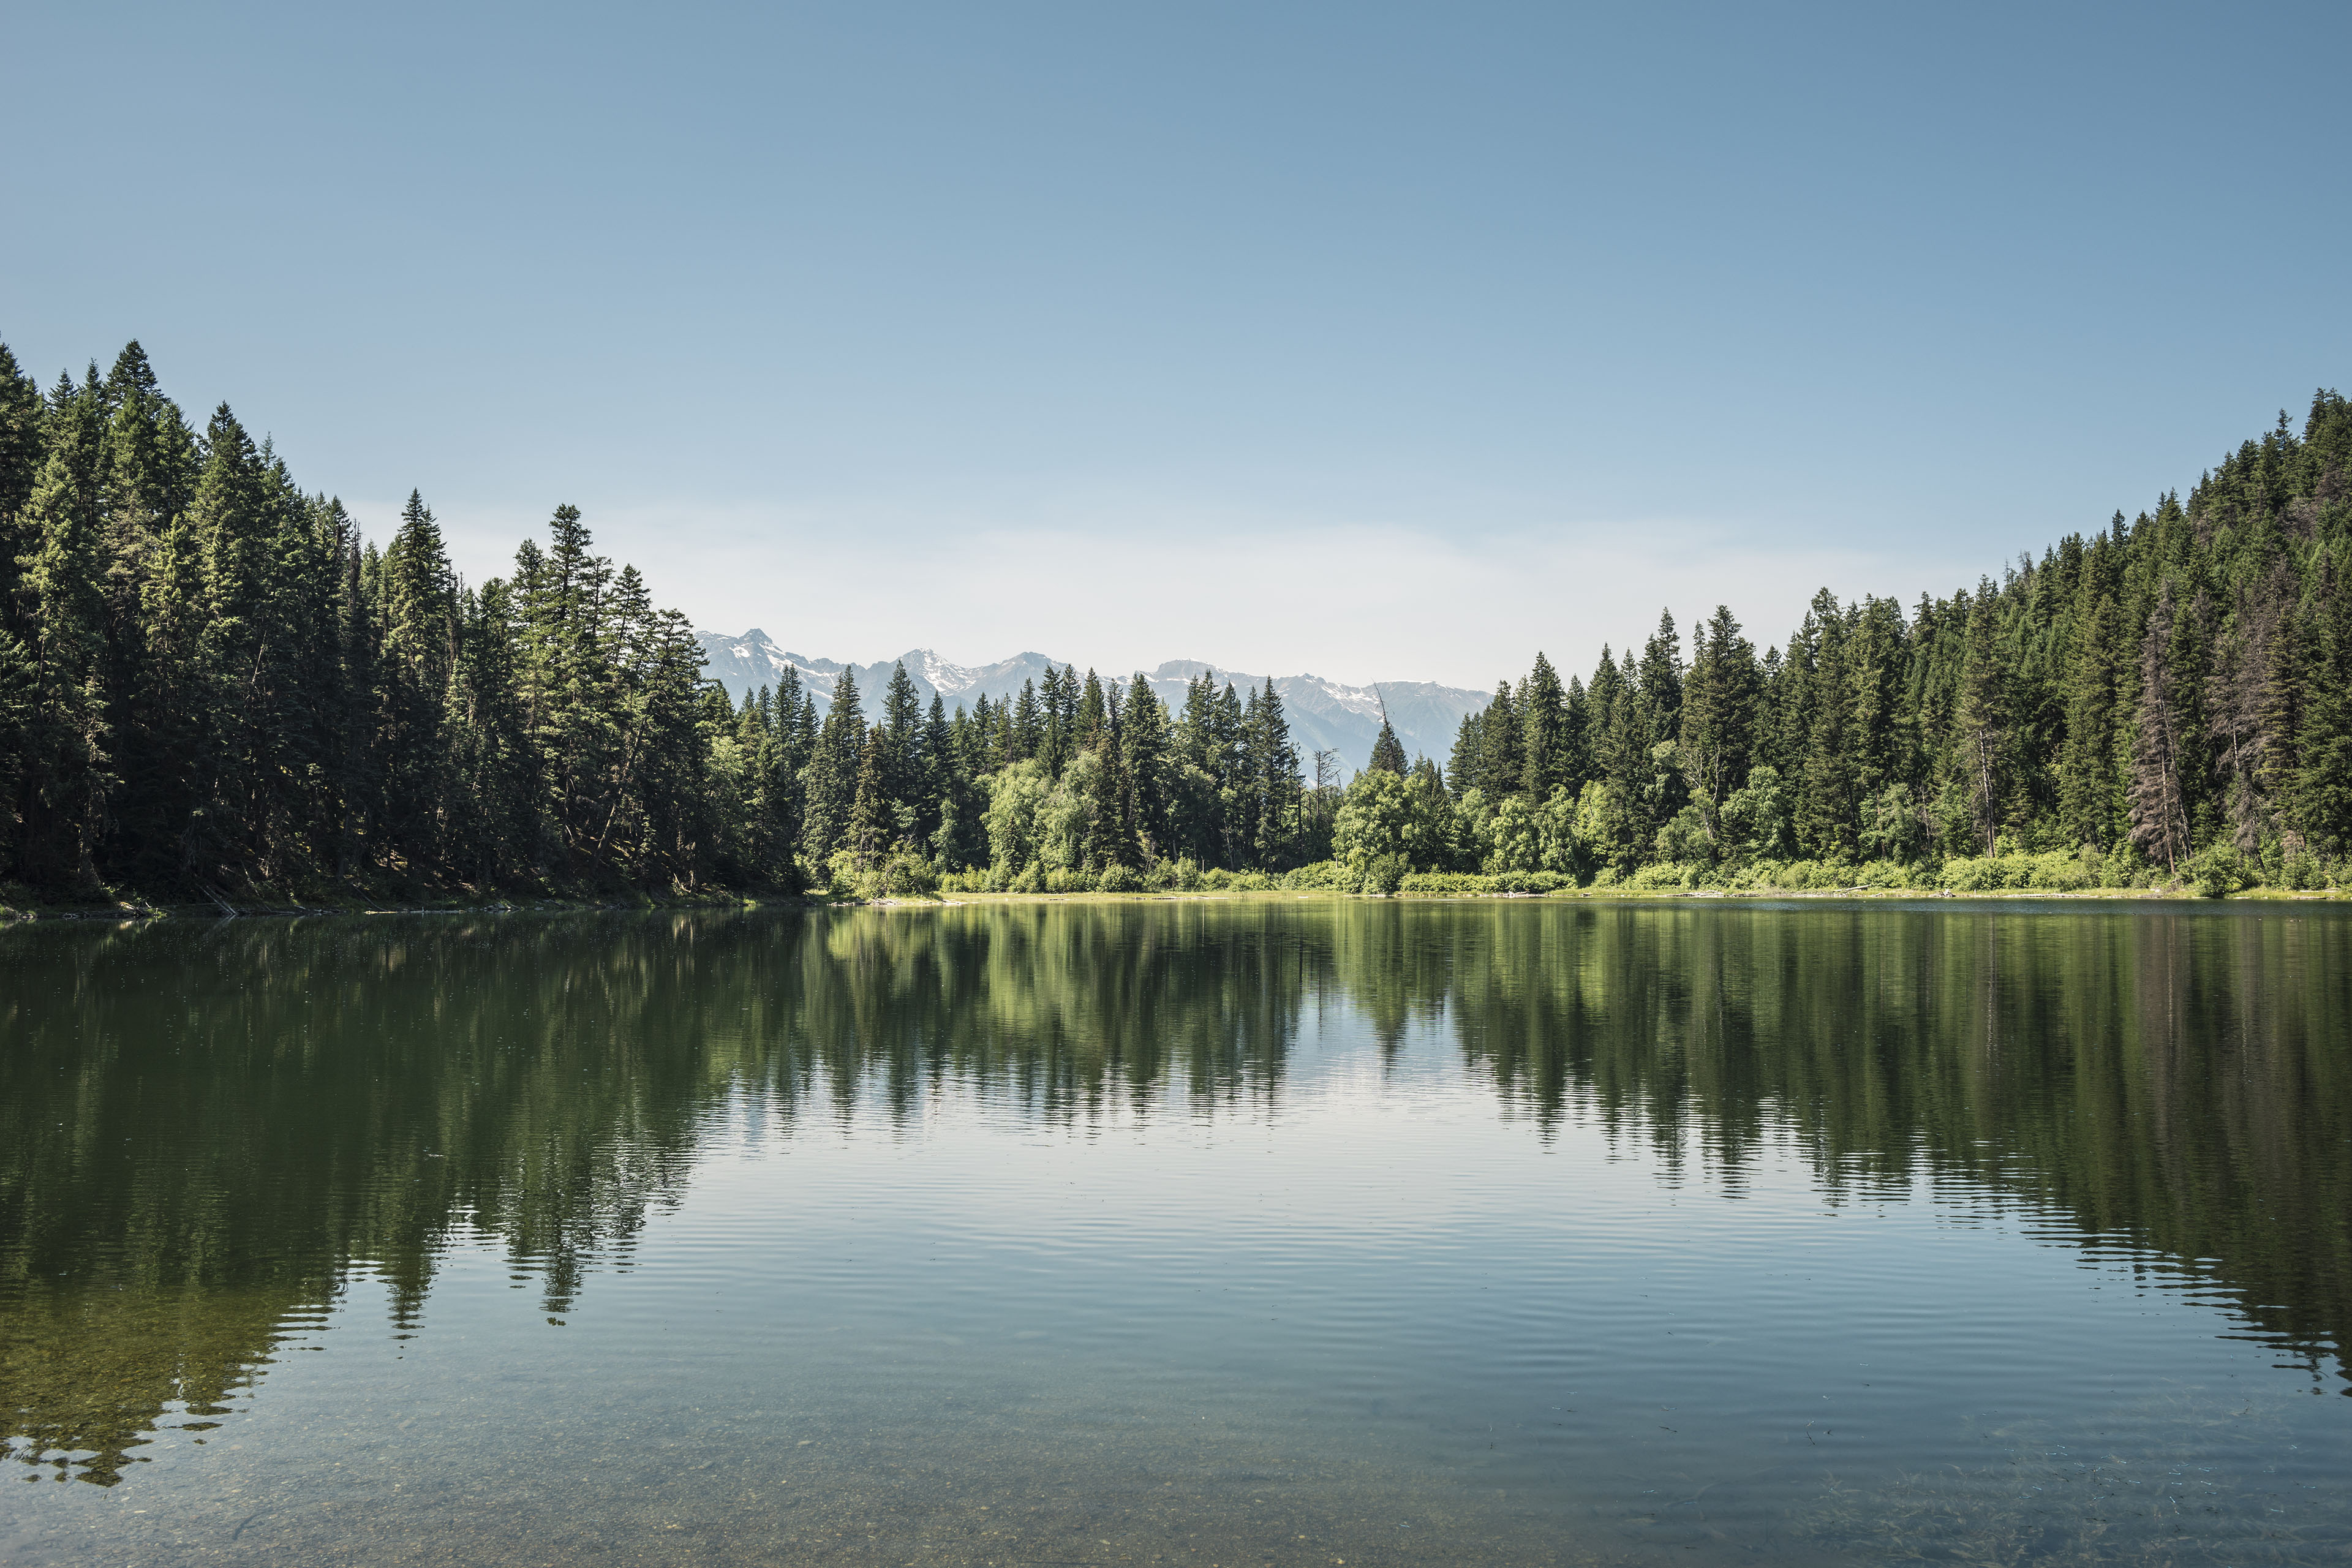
(2216, 871)
(2116, 713)
(2056, 872)
(209, 679)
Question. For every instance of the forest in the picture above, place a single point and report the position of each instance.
(213, 687)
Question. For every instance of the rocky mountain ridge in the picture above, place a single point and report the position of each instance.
(1324, 714)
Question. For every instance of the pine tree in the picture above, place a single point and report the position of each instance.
(905, 769)
(1828, 813)
(2159, 809)
(1981, 737)
(1503, 735)
(1388, 752)
(871, 822)
(833, 773)
(1718, 713)
(64, 749)
(21, 456)
(1543, 737)
(2088, 792)
(419, 660)
(1464, 767)
(1028, 723)
(1143, 764)
(1271, 765)
(2322, 788)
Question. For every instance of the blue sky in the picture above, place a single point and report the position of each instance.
(1383, 341)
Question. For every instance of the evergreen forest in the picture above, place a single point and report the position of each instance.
(212, 685)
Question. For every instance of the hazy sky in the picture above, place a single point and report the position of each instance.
(1382, 342)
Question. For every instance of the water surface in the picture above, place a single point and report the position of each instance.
(1218, 1232)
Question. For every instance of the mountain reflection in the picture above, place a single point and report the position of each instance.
(205, 1133)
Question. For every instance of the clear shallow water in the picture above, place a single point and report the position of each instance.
(1197, 1232)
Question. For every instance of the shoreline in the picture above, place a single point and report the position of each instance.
(129, 912)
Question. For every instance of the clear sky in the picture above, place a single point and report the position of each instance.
(1382, 342)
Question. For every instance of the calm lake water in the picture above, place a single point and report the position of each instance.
(1292, 1232)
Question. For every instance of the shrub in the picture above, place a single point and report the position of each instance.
(2060, 872)
(1442, 884)
(1663, 874)
(2055, 872)
(1383, 874)
(2216, 871)
(1061, 880)
(1029, 879)
(2301, 871)
(1973, 873)
(1322, 877)
(1119, 879)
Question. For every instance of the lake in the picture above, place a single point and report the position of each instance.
(1288, 1231)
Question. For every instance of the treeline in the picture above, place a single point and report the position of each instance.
(211, 683)
(2168, 699)
(1073, 783)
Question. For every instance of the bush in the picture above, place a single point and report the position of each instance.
(2216, 871)
(2301, 871)
(1663, 874)
(1119, 879)
(1445, 884)
(1030, 878)
(1383, 874)
(1974, 874)
(1059, 880)
(2056, 872)
(1322, 877)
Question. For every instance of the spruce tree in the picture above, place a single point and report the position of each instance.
(833, 773)
(1543, 738)
(419, 658)
(1981, 735)
(871, 818)
(2088, 792)
(1718, 713)
(2160, 807)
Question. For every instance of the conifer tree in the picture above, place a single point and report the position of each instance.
(833, 773)
(870, 814)
(904, 768)
(1143, 761)
(1544, 737)
(1388, 752)
(1981, 719)
(2088, 793)
(2159, 809)
(419, 659)
(1718, 713)
(1502, 735)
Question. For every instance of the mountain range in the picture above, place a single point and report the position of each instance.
(1324, 714)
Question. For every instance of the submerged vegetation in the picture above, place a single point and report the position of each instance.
(210, 682)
